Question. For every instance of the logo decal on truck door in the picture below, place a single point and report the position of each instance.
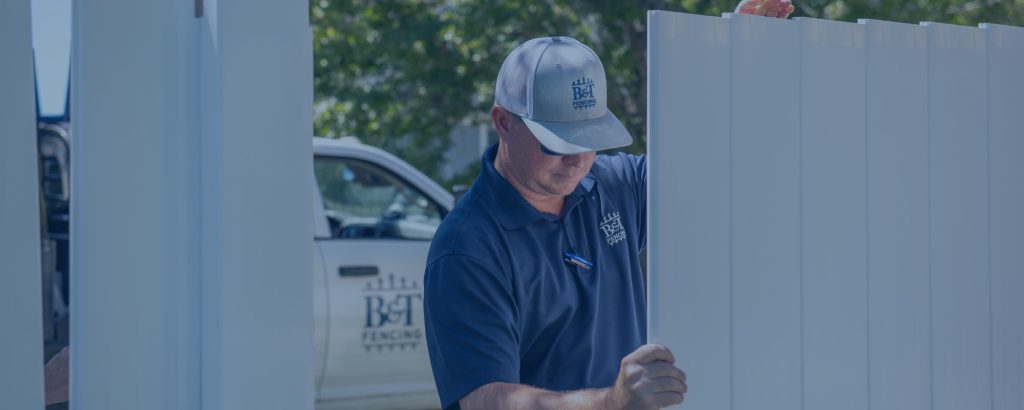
(390, 320)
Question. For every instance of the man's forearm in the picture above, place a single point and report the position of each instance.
(507, 396)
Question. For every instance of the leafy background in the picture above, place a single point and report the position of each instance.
(400, 74)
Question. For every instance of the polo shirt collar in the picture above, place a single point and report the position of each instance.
(511, 209)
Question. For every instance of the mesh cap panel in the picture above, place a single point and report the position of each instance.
(516, 77)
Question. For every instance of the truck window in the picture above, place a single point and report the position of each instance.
(365, 201)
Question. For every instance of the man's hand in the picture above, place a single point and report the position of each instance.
(648, 379)
(767, 8)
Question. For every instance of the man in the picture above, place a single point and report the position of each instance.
(534, 296)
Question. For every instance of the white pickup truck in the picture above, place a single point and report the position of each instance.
(374, 216)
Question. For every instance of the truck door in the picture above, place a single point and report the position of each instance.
(380, 231)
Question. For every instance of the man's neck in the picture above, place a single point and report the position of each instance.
(542, 203)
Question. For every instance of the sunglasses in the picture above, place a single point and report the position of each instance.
(546, 151)
(543, 149)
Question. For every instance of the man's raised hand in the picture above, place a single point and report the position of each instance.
(767, 8)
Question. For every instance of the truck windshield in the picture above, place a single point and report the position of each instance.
(363, 200)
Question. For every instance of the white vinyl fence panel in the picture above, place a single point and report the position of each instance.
(765, 211)
(21, 337)
(897, 219)
(1006, 222)
(832, 210)
(961, 328)
(835, 212)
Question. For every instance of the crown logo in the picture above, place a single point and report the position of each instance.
(391, 284)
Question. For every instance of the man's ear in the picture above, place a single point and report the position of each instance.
(502, 121)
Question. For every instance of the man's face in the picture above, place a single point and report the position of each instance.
(542, 174)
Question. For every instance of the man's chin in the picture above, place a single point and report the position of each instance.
(566, 189)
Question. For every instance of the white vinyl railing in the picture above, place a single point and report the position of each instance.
(837, 212)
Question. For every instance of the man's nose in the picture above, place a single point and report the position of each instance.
(575, 160)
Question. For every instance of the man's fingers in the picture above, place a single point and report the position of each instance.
(748, 6)
(666, 399)
(768, 8)
(664, 369)
(666, 384)
(784, 10)
(684, 387)
(775, 7)
(789, 10)
(762, 7)
(649, 353)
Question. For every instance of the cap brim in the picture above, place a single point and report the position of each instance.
(576, 137)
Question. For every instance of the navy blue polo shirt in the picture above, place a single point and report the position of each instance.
(501, 304)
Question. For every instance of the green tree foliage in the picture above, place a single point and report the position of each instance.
(400, 74)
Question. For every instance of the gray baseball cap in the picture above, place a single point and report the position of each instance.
(558, 86)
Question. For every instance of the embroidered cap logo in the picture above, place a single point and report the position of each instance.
(583, 94)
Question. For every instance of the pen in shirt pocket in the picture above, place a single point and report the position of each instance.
(576, 260)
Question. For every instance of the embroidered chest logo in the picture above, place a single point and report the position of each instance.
(612, 227)
(583, 94)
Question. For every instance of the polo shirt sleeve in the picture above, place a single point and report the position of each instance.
(639, 180)
(471, 326)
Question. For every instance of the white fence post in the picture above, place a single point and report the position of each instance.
(257, 160)
(191, 235)
(134, 206)
(21, 346)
